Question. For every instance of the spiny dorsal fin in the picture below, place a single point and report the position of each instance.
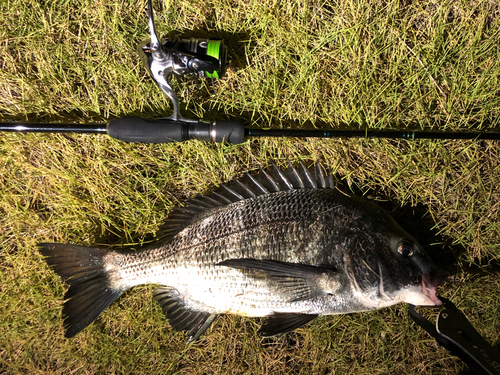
(247, 187)
(266, 182)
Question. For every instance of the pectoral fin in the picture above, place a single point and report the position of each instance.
(292, 281)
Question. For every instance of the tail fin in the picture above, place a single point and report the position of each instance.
(90, 292)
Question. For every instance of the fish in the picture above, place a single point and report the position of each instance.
(285, 244)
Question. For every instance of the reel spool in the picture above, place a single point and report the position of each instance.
(200, 57)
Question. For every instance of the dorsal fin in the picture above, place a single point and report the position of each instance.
(247, 187)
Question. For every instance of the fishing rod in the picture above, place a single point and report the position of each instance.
(204, 58)
(137, 129)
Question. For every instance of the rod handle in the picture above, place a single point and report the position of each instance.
(137, 129)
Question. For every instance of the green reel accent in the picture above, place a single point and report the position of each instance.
(213, 50)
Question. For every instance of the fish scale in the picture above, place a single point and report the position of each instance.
(282, 244)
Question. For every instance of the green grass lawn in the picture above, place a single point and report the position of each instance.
(293, 64)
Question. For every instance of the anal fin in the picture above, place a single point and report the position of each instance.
(180, 317)
(281, 323)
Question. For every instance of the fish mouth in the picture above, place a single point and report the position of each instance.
(429, 283)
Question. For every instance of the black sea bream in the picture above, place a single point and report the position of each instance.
(283, 244)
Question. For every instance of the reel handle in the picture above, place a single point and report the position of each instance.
(137, 129)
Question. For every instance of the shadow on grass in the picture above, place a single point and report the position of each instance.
(417, 221)
(445, 254)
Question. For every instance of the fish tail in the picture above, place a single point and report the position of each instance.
(90, 288)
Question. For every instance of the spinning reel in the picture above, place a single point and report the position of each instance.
(165, 58)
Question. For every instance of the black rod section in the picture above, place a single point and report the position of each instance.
(166, 130)
(53, 128)
(393, 134)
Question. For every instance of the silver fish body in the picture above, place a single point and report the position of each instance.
(285, 244)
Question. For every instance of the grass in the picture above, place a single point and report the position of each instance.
(294, 64)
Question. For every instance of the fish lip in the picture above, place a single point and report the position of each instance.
(429, 283)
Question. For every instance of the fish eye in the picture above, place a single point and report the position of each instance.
(405, 248)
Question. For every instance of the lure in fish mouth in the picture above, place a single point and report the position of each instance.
(285, 244)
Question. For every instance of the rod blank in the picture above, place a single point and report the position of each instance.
(136, 129)
(52, 128)
(369, 133)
